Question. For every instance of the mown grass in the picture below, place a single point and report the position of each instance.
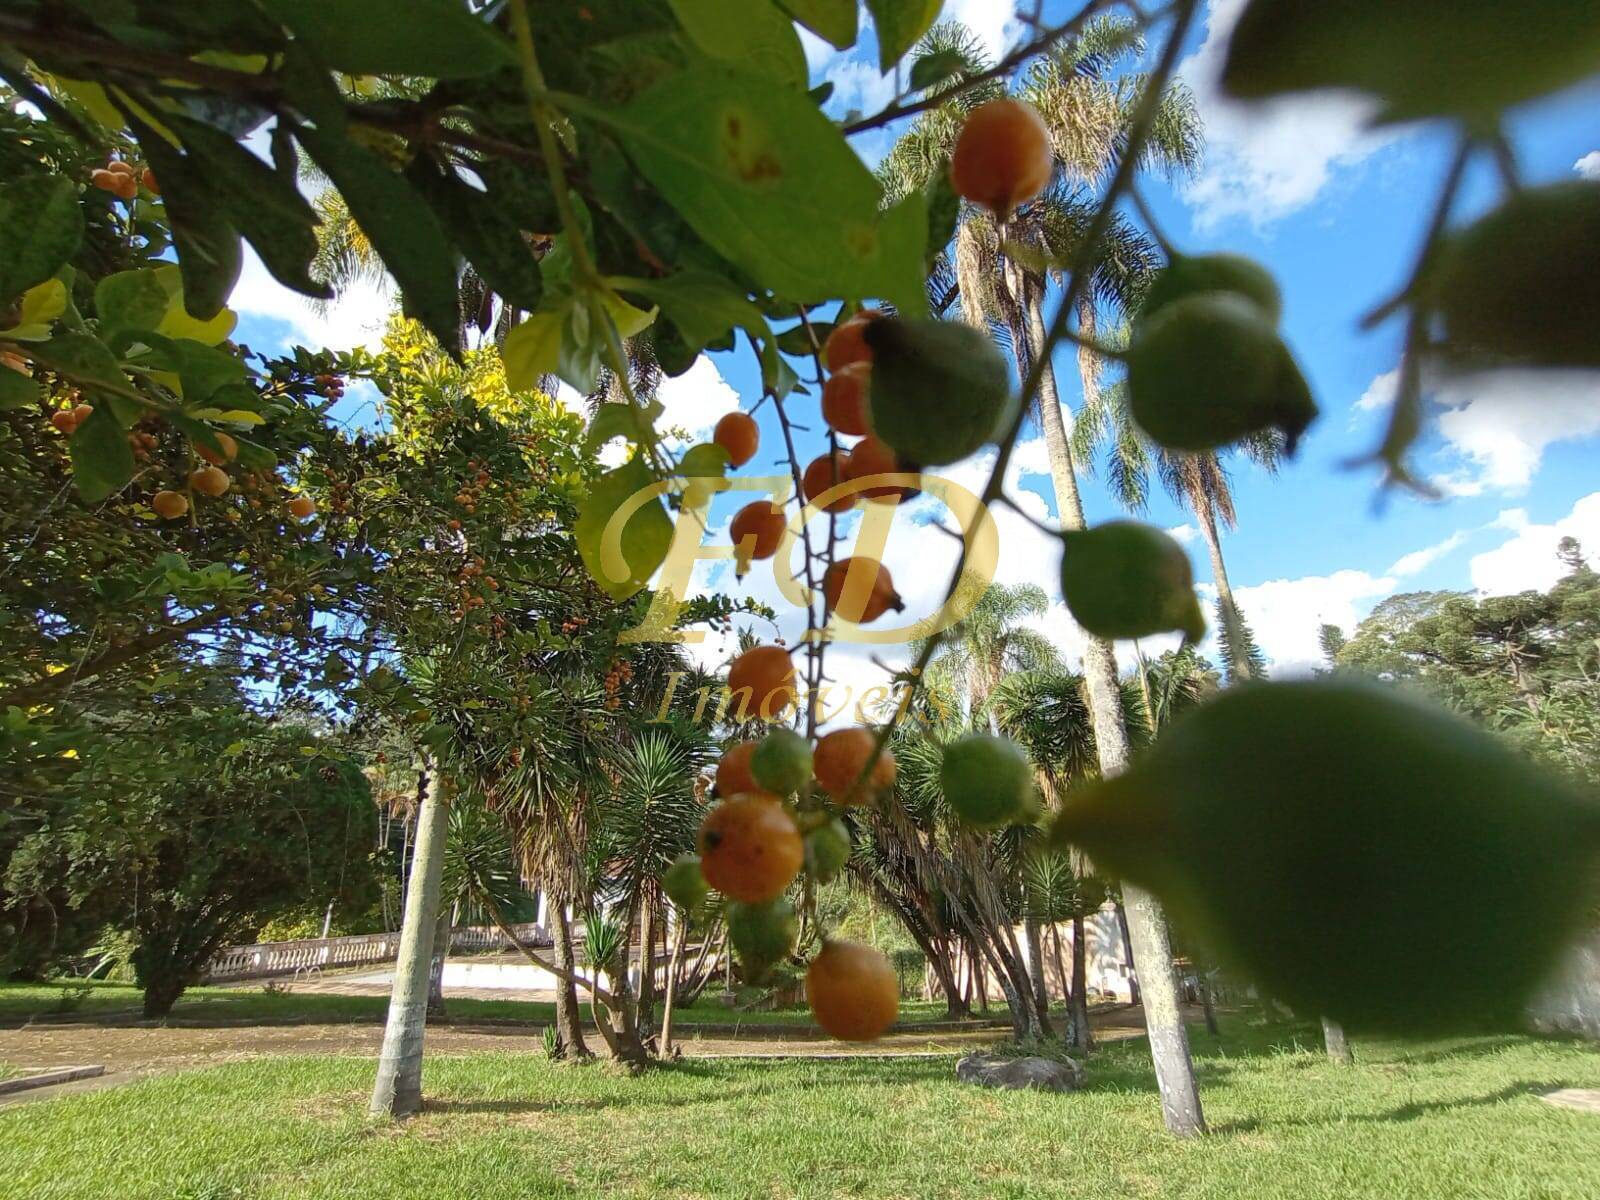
(1445, 1119)
(21, 1002)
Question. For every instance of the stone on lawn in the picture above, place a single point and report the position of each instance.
(1045, 1074)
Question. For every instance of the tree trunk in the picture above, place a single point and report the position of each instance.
(1232, 627)
(1337, 1044)
(441, 951)
(398, 1089)
(1083, 1035)
(647, 964)
(1041, 988)
(1147, 927)
(1127, 952)
(569, 1017)
(679, 937)
(1207, 1003)
(160, 995)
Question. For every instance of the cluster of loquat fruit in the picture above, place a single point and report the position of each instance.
(781, 796)
(123, 180)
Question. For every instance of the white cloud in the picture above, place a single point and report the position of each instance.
(1380, 392)
(817, 51)
(1183, 534)
(1589, 165)
(356, 318)
(1286, 615)
(1420, 560)
(696, 400)
(1502, 422)
(1268, 159)
(1031, 458)
(993, 21)
(1528, 560)
(859, 86)
(1498, 424)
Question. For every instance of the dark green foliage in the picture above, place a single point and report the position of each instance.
(1255, 661)
(190, 832)
(1525, 664)
(40, 227)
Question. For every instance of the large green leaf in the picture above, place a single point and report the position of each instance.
(703, 306)
(770, 183)
(834, 21)
(403, 230)
(436, 38)
(102, 460)
(40, 227)
(209, 254)
(644, 539)
(749, 33)
(900, 23)
(488, 229)
(16, 390)
(263, 204)
(134, 300)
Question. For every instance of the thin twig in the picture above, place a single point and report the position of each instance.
(1138, 134)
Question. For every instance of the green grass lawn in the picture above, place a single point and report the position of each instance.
(20, 1002)
(1446, 1119)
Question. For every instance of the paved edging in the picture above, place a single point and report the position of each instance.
(50, 1078)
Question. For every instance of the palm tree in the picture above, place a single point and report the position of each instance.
(990, 641)
(1088, 110)
(397, 1091)
(645, 822)
(1199, 482)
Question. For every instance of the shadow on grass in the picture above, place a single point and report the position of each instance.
(1396, 1116)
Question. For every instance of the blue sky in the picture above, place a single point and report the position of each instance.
(1336, 211)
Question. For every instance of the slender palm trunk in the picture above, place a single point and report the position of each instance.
(1041, 989)
(1127, 952)
(679, 936)
(647, 965)
(1147, 926)
(569, 1017)
(398, 1089)
(1232, 625)
(1082, 1035)
(441, 951)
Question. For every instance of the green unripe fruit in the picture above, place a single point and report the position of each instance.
(1423, 57)
(1198, 274)
(827, 850)
(781, 762)
(1209, 370)
(684, 885)
(1355, 850)
(1521, 285)
(988, 781)
(940, 389)
(762, 935)
(1127, 580)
